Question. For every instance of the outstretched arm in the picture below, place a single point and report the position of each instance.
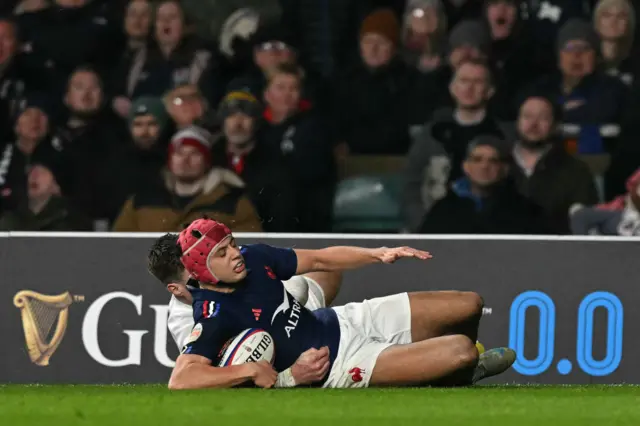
(341, 258)
(196, 372)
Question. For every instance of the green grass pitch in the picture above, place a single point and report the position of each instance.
(154, 405)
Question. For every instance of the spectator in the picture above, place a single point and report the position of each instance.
(45, 208)
(69, 34)
(304, 141)
(440, 147)
(137, 25)
(371, 104)
(187, 107)
(424, 34)
(484, 200)
(271, 47)
(174, 59)
(190, 188)
(614, 21)
(513, 56)
(141, 161)
(469, 40)
(618, 217)
(31, 128)
(269, 184)
(588, 97)
(544, 172)
(80, 146)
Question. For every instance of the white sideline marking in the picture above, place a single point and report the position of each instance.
(293, 236)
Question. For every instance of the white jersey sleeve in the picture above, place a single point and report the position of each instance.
(180, 322)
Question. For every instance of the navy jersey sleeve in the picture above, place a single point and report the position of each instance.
(283, 261)
(206, 339)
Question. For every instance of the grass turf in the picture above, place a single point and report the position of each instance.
(155, 405)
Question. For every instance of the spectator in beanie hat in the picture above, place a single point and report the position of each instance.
(268, 181)
(588, 96)
(45, 208)
(371, 98)
(142, 159)
(189, 188)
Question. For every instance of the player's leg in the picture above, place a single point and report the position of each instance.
(439, 313)
(449, 360)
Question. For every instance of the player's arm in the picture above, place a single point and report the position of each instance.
(196, 372)
(340, 258)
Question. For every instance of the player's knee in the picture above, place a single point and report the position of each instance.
(473, 303)
(464, 351)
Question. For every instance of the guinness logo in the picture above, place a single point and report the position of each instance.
(44, 320)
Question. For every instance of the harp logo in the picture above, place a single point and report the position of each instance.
(44, 320)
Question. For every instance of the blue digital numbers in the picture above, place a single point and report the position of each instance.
(584, 340)
(546, 335)
(615, 315)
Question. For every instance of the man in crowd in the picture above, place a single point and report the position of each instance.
(438, 151)
(31, 129)
(371, 100)
(484, 200)
(589, 98)
(190, 188)
(304, 141)
(544, 172)
(268, 182)
(82, 145)
(187, 107)
(44, 208)
(140, 161)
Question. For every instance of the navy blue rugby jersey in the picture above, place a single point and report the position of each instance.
(261, 301)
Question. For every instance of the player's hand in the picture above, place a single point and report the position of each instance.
(311, 366)
(263, 374)
(390, 255)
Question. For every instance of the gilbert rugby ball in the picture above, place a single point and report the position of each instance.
(252, 345)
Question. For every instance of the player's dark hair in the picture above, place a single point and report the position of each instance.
(163, 260)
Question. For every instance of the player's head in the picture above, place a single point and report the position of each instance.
(163, 262)
(210, 253)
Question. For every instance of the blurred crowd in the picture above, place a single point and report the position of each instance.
(506, 116)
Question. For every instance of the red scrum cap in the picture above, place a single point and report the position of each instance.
(201, 238)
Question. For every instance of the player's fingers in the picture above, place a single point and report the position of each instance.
(323, 351)
(323, 370)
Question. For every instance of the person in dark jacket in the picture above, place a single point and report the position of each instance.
(372, 98)
(305, 142)
(81, 145)
(543, 171)
(269, 184)
(32, 125)
(139, 162)
(589, 98)
(45, 208)
(484, 201)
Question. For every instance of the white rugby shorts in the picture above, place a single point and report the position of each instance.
(367, 329)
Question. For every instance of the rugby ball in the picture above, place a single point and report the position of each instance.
(252, 345)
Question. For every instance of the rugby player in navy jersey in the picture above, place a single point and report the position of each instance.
(405, 339)
(314, 290)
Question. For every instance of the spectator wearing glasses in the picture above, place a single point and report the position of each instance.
(484, 200)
